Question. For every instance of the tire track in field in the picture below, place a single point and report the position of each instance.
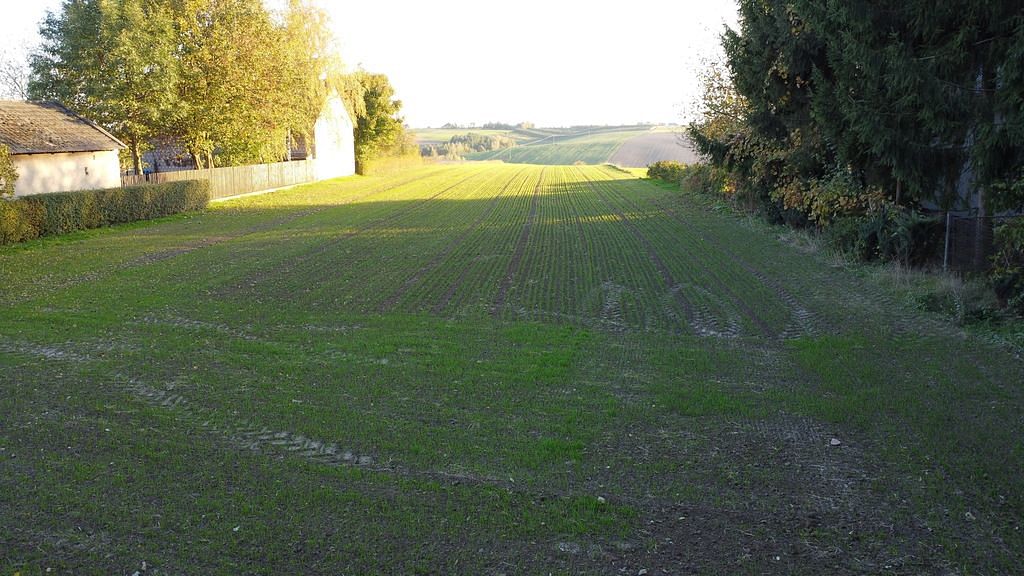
(517, 255)
(59, 352)
(694, 319)
(750, 313)
(161, 255)
(244, 434)
(803, 320)
(436, 261)
(322, 248)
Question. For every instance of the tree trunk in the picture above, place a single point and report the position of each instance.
(982, 234)
(133, 149)
(983, 224)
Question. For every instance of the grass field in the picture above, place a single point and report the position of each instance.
(642, 151)
(630, 146)
(489, 369)
(568, 147)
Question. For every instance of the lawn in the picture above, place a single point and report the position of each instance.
(489, 369)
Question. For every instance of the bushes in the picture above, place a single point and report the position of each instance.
(667, 170)
(902, 236)
(29, 217)
(1007, 275)
(20, 221)
(389, 164)
(8, 173)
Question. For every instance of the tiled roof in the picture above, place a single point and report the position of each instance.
(48, 127)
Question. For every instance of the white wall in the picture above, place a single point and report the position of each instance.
(43, 173)
(334, 138)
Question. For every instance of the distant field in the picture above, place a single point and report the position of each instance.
(643, 150)
(569, 146)
(627, 146)
(440, 136)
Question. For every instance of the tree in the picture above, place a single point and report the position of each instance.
(379, 130)
(113, 62)
(13, 75)
(8, 173)
(226, 78)
(314, 70)
(231, 86)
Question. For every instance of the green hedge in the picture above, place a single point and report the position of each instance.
(389, 164)
(667, 170)
(28, 217)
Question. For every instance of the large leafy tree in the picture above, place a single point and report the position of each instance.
(112, 61)
(312, 66)
(379, 129)
(226, 78)
(232, 95)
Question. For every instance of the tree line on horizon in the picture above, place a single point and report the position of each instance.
(229, 80)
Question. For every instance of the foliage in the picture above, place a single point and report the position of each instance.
(8, 172)
(667, 170)
(459, 145)
(490, 126)
(1007, 275)
(888, 234)
(229, 80)
(830, 109)
(709, 179)
(29, 217)
(20, 221)
(385, 165)
(378, 127)
(111, 61)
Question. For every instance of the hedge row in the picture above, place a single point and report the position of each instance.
(389, 164)
(667, 170)
(27, 217)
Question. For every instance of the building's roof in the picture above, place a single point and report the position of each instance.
(49, 128)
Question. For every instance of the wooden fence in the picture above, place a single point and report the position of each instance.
(235, 180)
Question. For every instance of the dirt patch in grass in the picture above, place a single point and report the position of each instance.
(768, 496)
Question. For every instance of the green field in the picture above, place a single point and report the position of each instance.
(566, 146)
(548, 146)
(489, 369)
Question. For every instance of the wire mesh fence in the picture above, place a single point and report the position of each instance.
(970, 242)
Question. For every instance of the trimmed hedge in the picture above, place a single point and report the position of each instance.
(28, 217)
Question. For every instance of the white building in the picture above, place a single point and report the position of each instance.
(55, 150)
(334, 144)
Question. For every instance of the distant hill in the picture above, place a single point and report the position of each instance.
(628, 146)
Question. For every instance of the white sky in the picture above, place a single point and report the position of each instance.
(552, 62)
